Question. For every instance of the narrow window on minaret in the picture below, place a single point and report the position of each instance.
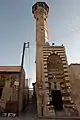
(37, 19)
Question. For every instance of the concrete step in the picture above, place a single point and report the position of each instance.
(60, 118)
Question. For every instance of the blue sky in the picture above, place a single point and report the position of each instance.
(17, 25)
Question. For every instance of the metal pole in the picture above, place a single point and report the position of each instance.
(20, 77)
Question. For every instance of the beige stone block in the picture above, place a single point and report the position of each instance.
(63, 59)
(45, 63)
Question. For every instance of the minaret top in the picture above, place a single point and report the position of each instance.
(40, 4)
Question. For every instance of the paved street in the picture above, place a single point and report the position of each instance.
(30, 113)
(34, 118)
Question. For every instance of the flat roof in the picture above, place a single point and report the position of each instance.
(10, 68)
(73, 64)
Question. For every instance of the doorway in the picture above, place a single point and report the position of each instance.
(57, 100)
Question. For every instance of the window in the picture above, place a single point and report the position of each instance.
(37, 19)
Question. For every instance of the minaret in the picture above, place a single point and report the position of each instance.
(40, 11)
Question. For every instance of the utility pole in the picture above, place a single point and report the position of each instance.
(20, 75)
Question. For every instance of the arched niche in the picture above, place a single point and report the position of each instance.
(55, 70)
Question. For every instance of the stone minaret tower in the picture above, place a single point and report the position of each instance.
(51, 71)
(40, 11)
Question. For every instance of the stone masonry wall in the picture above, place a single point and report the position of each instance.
(74, 74)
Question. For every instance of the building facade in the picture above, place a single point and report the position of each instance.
(9, 92)
(52, 79)
(74, 74)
